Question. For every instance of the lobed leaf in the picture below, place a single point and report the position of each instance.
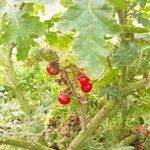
(93, 20)
(18, 27)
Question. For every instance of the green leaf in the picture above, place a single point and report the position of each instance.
(143, 20)
(93, 20)
(126, 54)
(18, 27)
(59, 41)
(118, 5)
(66, 3)
(142, 2)
(108, 77)
(113, 90)
(34, 8)
(3, 8)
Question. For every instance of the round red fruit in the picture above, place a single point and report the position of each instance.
(83, 80)
(87, 88)
(64, 100)
(52, 71)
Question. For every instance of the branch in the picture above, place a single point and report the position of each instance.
(93, 125)
(102, 115)
(77, 97)
(128, 140)
(136, 86)
(132, 29)
(22, 143)
(12, 78)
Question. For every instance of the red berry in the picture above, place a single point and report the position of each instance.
(51, 70)
(87, 88)
(64, 100)
(83, 80)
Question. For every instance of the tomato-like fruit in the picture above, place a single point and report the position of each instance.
(52, 70)
(87, 88)
(83, 80)
(64, 100)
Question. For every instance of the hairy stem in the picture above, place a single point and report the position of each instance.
(14, 82)
(22, 143)
(122, 21)
(128, 140)
(93, 125)
(102, 115)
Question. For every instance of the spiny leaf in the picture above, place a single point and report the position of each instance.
(92, 19)
(126, 54)
(113, 90)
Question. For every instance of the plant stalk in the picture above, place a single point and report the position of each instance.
(102, 115)
(128, 140)
(22, 143)
(15, 84)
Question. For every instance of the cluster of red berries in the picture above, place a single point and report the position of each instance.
(86, 85)
(65, 97)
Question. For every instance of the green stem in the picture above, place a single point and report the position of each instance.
(14, 82)
(93, 125)
(102, 115)
(132, 29)
(122, 21)
(22, 143)
(128, 140)
(132, 87)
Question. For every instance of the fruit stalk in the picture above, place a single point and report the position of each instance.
(75, 94)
